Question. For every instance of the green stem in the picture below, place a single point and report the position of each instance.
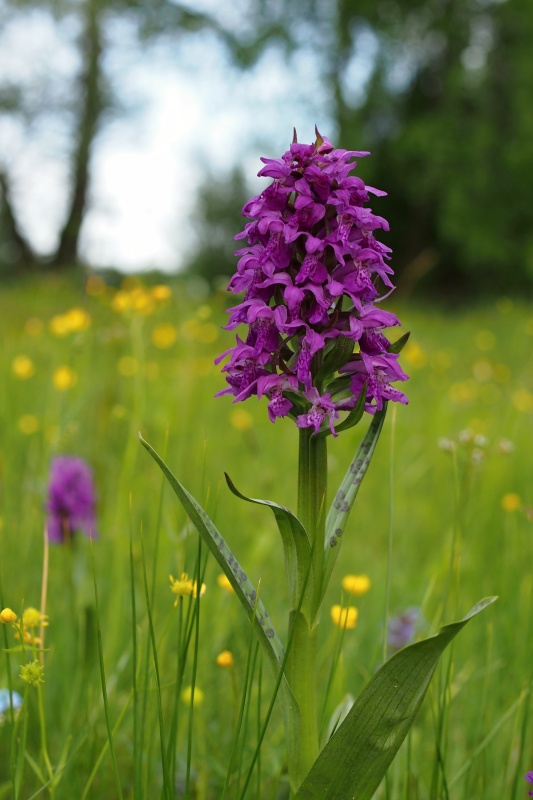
(301, 664)
(44, 746)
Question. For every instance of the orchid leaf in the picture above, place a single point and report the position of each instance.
(399, 344)
(295, 544)
(355, 414)
(250, 601)
(336, 356)
(356, 758)
(345, 497)
(244, 589)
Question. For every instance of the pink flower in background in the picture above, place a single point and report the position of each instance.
(71, 501)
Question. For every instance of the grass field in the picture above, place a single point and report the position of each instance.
(449, 494)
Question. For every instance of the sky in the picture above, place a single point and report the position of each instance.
(185, 111)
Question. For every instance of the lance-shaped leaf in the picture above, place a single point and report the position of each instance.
(295, 544)
(244, 589)
(250, 601)
(344, 499)
(356, 758)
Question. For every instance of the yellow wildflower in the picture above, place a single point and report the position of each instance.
(344, 617)
(161, 292)
(523, 400)
(32, 673)
(414, 355)
(64, 378)
(7, 616)
(23, 367)
(32, 618)
(241, 419)
(356, 584)
(121, 301)
(185, 587)
(197, 696)
(77, 319)
(225, 659)
(511, 502)
(164, 336)
(224, 583)
(141, 301)
(28, 423)
(59, 325)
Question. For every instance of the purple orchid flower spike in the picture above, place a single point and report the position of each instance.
(71, 501)
(529, 779)
(311, 273)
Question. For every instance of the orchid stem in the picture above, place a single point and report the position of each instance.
(301, 666)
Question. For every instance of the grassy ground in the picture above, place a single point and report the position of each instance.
(449, 494)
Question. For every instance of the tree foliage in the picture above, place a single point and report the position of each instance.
(446, 112)
(438, 90)
(82, 100)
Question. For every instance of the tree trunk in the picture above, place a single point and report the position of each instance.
(93, 104)
(20, 254)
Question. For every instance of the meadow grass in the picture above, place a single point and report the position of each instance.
(443, 518)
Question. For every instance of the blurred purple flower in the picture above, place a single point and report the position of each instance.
(311, 272)
(529, 779)
(401, 629)
(71, 499)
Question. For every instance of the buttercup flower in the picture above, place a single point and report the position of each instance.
(23, 367)
(197, 696)
(356, 584)
(224, 583)
(344, 617)
(64, 378)
(511, 501)
(225, 659)
(32, 618)
(185, 587)
(71, 499)
(7, 616)
(312, 271)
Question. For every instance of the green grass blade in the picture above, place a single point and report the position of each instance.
(198, 575)
(356, 758)
(102, 753)
(166, 778)
(103, 681)
(137, 752)
(296, 545)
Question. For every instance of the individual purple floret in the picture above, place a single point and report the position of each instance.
(311, 272)
(401, 629)
(71, 499)
(529, 779)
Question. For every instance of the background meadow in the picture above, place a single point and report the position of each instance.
(446, 511)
